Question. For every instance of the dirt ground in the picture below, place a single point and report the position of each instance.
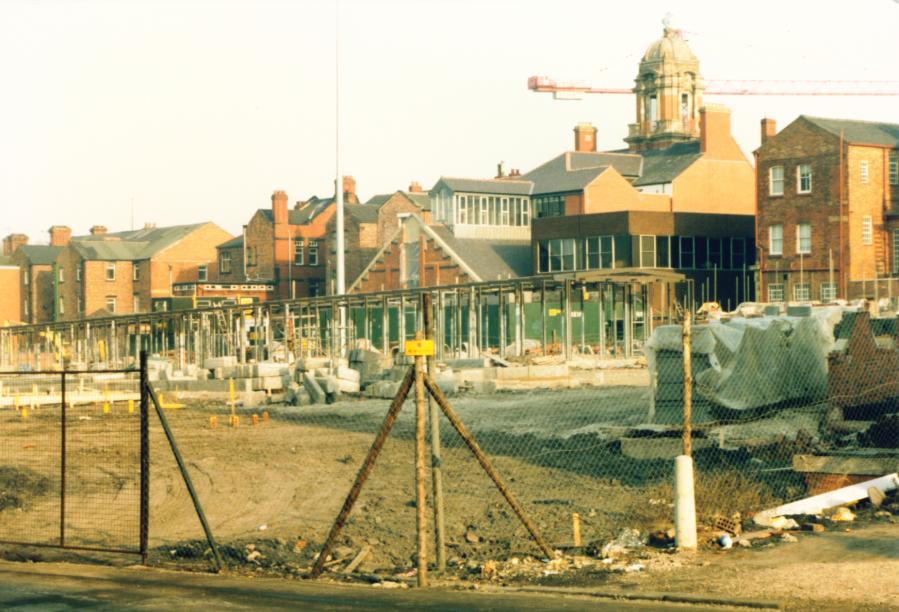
(271, 491)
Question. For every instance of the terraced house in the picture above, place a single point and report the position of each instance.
(828, 209)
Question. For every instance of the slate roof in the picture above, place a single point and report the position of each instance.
(497, 186)
(490, 260)
(131, 245)
(40, 254)
(419, 198)
(234, 243)
(364, 213)
(664, 165)
(861, 132)
(628, 165)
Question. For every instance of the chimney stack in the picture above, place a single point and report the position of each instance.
(499, 170)
(100, 230)
(13, 242)
(414, 187)
(349, 190)
(585, 138)
(714, 129)
(769, 129)
(59, 235)
(279, 207)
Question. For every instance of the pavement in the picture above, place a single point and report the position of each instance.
(61, 586)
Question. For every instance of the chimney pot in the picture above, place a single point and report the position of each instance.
(585, 138)
(13, 242)
(349, 190)
(414, 187)
(279, 207)
(499, 170)
(100, 230)
(769, 128)
(60, 235)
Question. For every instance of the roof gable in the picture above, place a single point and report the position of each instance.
(39, 254)
(664, 165)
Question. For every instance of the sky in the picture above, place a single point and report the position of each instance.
(128, 112)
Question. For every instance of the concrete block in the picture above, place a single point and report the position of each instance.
(385, 389)
(446, 380)
(348, 373)
(548, 371)
(316, 393)
(477, 374)
(347, 386)
(460, 364)
(510, 373)
(218, 362)
(799, 311)
(268, 383)
(328, 384)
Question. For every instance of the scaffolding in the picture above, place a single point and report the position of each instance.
(607, 313)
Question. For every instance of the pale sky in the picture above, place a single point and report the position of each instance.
(197, 111)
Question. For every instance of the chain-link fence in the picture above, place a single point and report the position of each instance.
(783, 407)
(70, 468)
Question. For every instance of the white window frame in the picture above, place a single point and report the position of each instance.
(78, 273)
(110, 271)
(775, 292)
(225, 262)
(62, 308)
(802, 292)
(202, 273)
(313, 252)
(894, 168)
(135, 272)
(772, 181)
(828, 292)
(863, 174)
(780, 240)
(504, 216)
(800, 250)
(62, 275)
(299, 246)
(867, 230)
(652, 239)
(26, 277)
(484, 208)
(799, 177)
(111, 299)
(25, 305)
(526, 211)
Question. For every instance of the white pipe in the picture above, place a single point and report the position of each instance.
(684, 503)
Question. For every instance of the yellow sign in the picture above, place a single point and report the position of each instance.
(555, 312)
(419, 348)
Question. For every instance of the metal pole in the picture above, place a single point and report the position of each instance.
(62, 464)
(485, 463)
(364, 471)
(184, 474)
(688, 386)
(436, 462)
(421, 501)
(144, 458)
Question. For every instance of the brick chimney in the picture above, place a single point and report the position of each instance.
(349, 190)
(13, 242)
(585, 138)
(769, 129)
(98, 230)
(59, 235)
(414, 187)
(714, 130)
(279, 207)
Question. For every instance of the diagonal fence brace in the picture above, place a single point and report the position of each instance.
(482, 458)
(367, 465)
(187, 481)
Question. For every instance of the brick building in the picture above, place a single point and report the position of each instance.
(368, 226)
(10, 292)
(36, 263)
(828, 217)
(132, 271)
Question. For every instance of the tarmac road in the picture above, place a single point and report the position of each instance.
(59, 587)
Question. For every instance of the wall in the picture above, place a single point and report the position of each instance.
(866, 261)
(179, 262)
(715, 186)
(11, 295)
(97, 288)
(260, 236)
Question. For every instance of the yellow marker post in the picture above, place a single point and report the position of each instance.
(23, 413)
(18, 401)
(105, 407)
(213, 422)
(131, 406)
(235, 421)
(576, 528)
(265, 416)
(255, 419)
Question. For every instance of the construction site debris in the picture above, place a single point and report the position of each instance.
(876, 496)
(627, 540)
(842, 515)
(819, 503)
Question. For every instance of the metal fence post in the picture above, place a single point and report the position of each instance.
(688, 385)
(436, 461)
(144, 458)
(62, 461)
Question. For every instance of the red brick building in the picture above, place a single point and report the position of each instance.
(368, 226)
(828, 208)
(10, 292)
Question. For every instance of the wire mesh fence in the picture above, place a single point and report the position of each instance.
(70, 459)
(783, 407)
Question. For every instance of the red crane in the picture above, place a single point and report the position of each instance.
(734, 87)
